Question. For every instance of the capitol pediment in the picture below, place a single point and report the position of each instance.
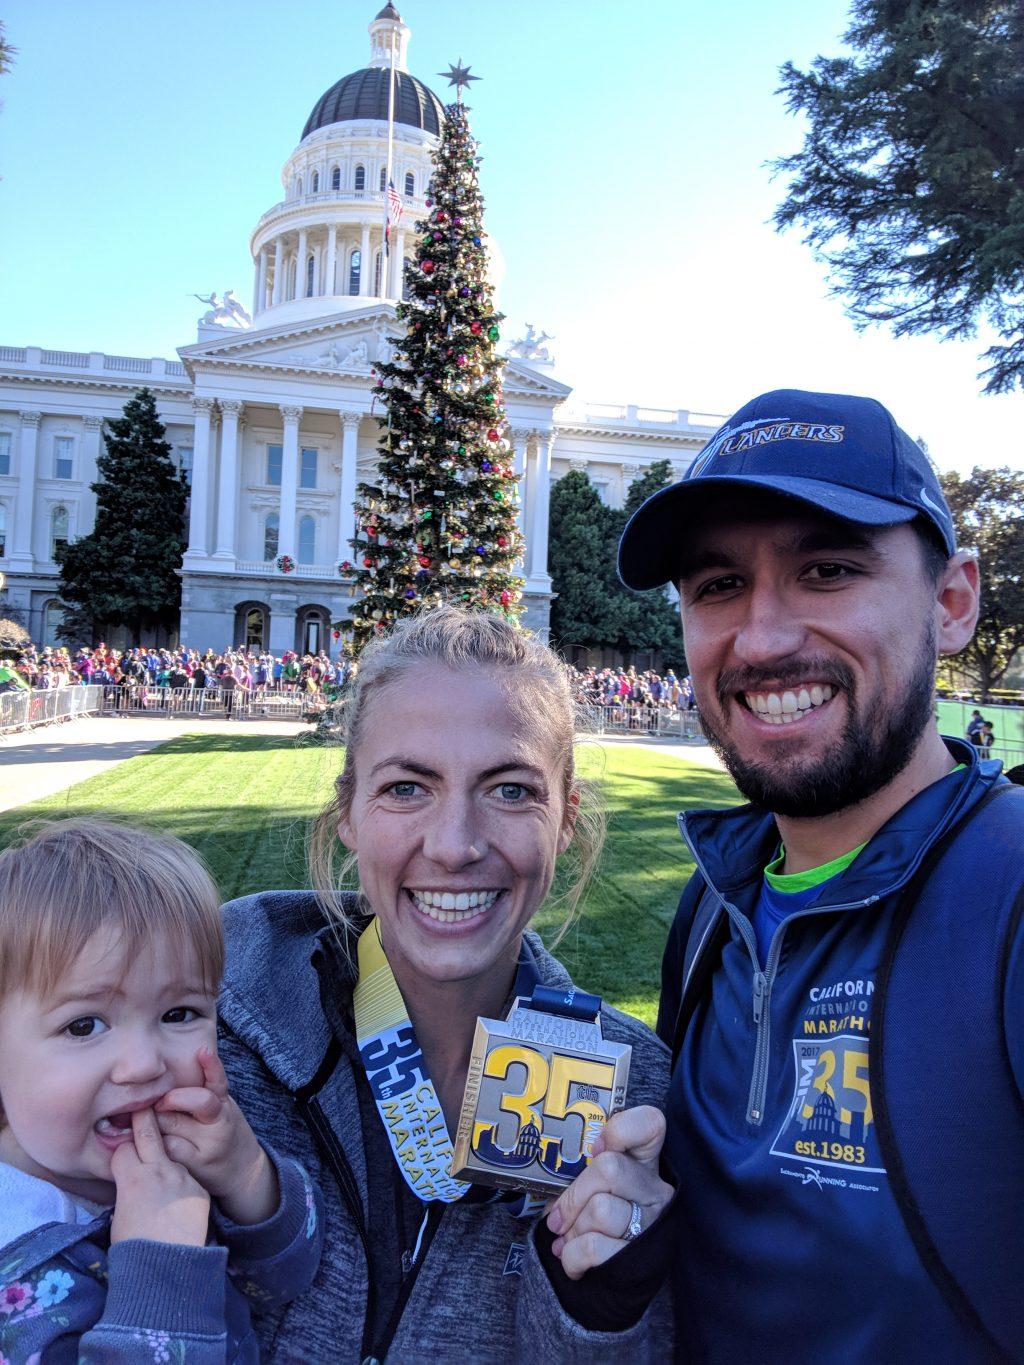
(348, 344)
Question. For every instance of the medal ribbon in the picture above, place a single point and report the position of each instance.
(397, 1072)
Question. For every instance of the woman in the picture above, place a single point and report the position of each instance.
(457, 795)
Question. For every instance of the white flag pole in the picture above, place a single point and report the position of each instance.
(385, 263)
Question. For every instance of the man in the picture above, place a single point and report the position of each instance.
(974, 728)
(843, 988)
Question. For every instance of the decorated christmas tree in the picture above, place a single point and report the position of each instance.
(439, 523)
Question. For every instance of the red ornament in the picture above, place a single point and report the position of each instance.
(427, 267)
(424, 561)
(367, 562)
(503, 541)
(476, 328)
(336, 634)
(492, 435)
(506, 598)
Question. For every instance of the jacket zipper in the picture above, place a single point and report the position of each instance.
(763, 982)
(317, 1120)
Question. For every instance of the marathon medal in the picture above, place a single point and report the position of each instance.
(541, 1085)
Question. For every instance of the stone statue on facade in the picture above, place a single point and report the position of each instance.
(226, 312)
(531, 346)
(353, 357)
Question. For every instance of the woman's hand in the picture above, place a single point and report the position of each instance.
(206, 1131)
(592, 1218)
(157, 1199)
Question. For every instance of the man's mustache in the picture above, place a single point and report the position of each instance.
(792, 673)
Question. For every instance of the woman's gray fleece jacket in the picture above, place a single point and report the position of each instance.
(481, 1293)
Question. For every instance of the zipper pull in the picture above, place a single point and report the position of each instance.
(760, 986)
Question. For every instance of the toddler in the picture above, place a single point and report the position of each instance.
(121, 1151)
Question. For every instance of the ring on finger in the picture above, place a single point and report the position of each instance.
(636, 1222)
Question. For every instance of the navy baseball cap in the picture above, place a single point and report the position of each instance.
(842, 454)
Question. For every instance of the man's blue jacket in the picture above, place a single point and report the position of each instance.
(846, 1121)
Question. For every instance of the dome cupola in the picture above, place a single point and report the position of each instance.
(364, 94)
(321, 250)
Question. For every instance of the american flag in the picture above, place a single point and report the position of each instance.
(394, 215)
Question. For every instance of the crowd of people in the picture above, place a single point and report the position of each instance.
(191, 672)
(632, 698)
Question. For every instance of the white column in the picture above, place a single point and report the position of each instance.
(395, 264)
(200, 495)
(520, 441)
(538, 548)
(289, 479)
(227, 488)
(347, 504)
(90, 457)
(330, 286)
(300, 268)
(260, 301)
(278, 295)
(317, 272)
(365, 263)
(21, 554)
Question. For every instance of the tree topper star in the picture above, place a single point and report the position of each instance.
(458, 75)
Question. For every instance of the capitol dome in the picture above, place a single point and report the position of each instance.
(364, 95)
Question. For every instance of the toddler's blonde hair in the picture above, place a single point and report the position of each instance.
(73, 877)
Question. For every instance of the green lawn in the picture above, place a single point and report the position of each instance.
(245, 803)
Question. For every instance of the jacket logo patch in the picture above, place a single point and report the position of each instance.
(515, 1260)
(830, 1121)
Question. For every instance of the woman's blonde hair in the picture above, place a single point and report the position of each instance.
(73, 877)
(451, 637)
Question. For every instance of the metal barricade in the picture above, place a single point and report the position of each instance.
(25, 708)
(213, 703)
(627, 717)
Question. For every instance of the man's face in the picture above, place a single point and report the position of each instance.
(811, 644)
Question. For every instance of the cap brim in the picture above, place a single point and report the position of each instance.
(654, 541)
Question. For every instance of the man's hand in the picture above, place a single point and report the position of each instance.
(157, 1199)
(591, 1219)
(206, 1131)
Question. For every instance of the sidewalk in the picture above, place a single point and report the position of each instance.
(684, 749)
(40, 762)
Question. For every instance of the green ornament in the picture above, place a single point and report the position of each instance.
(499, 496)
(493, 333)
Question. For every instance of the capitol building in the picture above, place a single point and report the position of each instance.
(270, 410)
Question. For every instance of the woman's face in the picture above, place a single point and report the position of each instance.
(457, 818)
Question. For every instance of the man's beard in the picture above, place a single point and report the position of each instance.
(871, 751)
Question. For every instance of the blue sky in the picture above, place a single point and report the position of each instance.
(625, 149)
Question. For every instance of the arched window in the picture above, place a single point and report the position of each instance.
(314, 184)
(254, 621)
(3, 530)
(297, 186)
(336, 178)
(383, 178)
(407, 267)
(58, 528)
(360, 181)
(307, 540)
(353, 272)
(377, 268)
(410, 184)
(271, 537)
(310, 267)
(53, 619)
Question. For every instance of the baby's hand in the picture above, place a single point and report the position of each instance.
(157, 1199)
(205, 1131)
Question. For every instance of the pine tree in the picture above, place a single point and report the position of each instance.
(583, 533)
(910, 180)
(592, 608)
(439, 522)
(125, 571)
